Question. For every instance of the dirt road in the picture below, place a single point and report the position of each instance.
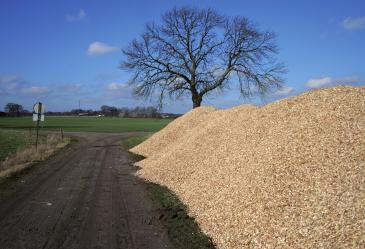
(85, 198)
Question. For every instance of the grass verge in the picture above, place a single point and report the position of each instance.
(11, 141)
(19, 178)
(135, 140)
(183, 230)
(27, 154)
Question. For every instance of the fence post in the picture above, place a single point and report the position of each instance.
(36, 140)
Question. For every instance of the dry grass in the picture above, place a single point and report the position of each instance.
(289, 175)
(24, 157)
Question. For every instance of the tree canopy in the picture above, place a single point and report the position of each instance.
(199, 51)
(13, 109)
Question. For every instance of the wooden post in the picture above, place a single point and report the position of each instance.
(36, 140)
(38, 120)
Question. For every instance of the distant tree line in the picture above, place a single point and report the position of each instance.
(16, 110)
(136, 112)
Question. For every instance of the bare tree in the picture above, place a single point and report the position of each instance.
(198, 52)
(13, 109)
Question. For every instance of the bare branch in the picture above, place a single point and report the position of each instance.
(199, 51)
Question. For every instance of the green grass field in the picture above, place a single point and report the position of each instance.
(11, 141)
(88, 124)
(19, 135)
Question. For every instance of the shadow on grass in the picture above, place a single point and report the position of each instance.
(183, 230)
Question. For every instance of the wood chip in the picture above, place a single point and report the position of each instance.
(290, 174)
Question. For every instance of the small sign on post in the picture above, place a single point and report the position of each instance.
(38, 108)
(38, 115)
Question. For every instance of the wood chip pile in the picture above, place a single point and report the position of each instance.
(173, 132)
(290, 174)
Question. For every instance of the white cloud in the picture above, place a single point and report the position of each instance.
(82, 14)
(284, 91)
(78, 17)
(71, 87)
(35, 90)
(329, 81)
(10, 82)
(117, 86)
(354, 23)
(319, 82)
(100, 48)
(6, 79)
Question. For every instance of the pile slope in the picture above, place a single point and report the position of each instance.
(173, 132)
(290, 174)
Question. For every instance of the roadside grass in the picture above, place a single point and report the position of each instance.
(19, 152)
(87, 124)
(21, 175)
(12, 141)
(183, 230)
(135, 140)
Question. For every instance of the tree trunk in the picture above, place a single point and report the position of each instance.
(197, 100)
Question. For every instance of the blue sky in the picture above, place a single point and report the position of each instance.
(60, 52)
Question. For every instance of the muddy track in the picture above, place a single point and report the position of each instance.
(86, 198)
